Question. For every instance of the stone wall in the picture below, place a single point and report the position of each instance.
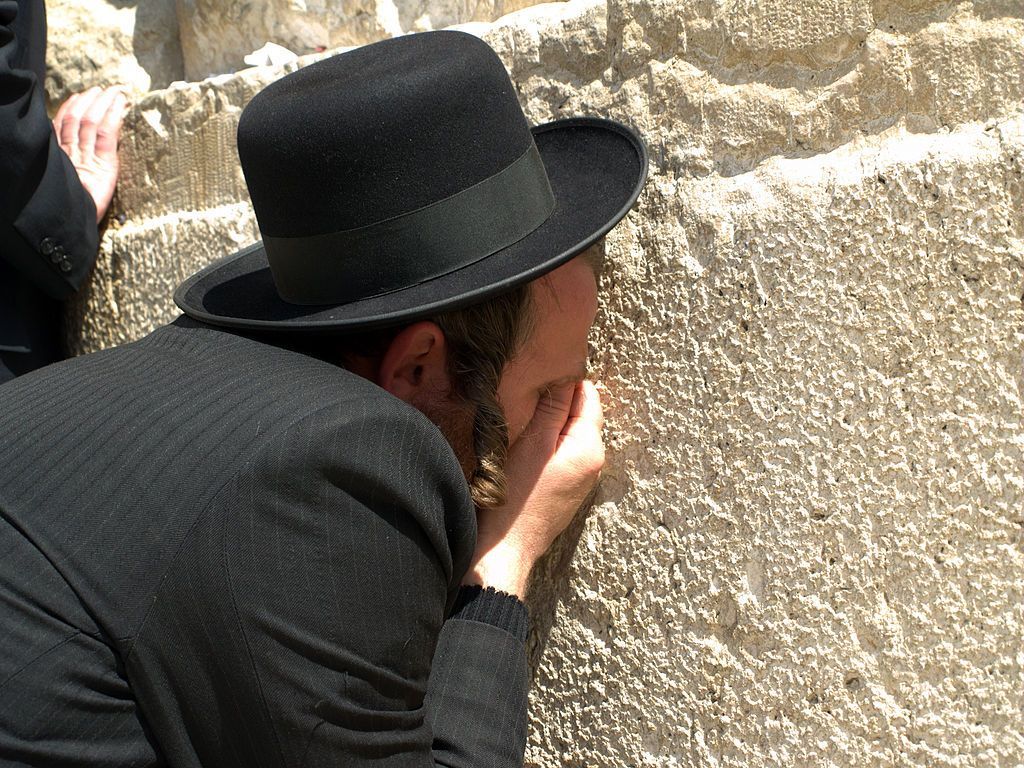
(216, 34)
(808, 546)
(95, 42)
(148, 44)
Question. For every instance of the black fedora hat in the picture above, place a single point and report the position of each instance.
(401, 179)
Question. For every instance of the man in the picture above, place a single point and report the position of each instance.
(56, 183)
(249, 539)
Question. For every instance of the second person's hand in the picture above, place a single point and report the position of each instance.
(88, 126)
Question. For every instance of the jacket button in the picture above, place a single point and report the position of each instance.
(46, 246)
(65, 264)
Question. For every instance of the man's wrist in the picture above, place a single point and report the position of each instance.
(488, 606)
(504, 568)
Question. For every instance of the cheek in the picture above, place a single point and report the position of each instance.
(517, 428)
(518, 412)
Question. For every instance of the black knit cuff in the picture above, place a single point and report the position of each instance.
(489, 606)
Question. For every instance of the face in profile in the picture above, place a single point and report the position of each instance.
(555, 353)
(563, 306)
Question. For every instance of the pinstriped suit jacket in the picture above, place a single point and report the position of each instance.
(214, 551)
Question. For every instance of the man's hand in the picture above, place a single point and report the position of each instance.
(88, 126)
(551, 470)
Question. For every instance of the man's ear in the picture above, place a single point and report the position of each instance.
(415, 363)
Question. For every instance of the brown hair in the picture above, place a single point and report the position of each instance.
(481, 340)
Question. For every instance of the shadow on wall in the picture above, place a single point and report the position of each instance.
(134, 43)
(156, 42)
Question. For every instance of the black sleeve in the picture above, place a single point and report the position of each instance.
(321, 626)
(47, 219)
(480, 667)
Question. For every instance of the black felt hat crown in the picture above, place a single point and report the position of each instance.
(401, 179)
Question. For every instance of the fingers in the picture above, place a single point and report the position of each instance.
(58, 119)
(572, 409)
(77, 106)
(109, 130)
(88, 126)
(103, 116)
(553, 408)
(585, 412)
(90, 122)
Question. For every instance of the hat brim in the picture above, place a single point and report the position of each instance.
(596, 168)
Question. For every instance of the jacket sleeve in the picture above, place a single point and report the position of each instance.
(479, 677)
(331, 621)
(47, 220)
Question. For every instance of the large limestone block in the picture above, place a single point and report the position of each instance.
(808, 547)
(140, 265)
(104, 42)
(818, 32)
(569, 58)
(712, 106)
(217, 34)
(178, 151)
(179, 157)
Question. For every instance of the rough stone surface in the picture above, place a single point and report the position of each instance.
(808, 547)
(96, 42)
(217, 34)
(140, 262)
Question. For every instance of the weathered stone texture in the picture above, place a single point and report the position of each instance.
(95, 42)
(139, 262)
(808, 548)
(217, 34)
(178, 150)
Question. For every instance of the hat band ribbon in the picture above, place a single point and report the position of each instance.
(341, 267)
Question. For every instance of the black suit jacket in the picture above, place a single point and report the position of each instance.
(48, 235)
(214, 551)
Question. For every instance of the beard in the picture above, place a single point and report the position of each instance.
(454, 417)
